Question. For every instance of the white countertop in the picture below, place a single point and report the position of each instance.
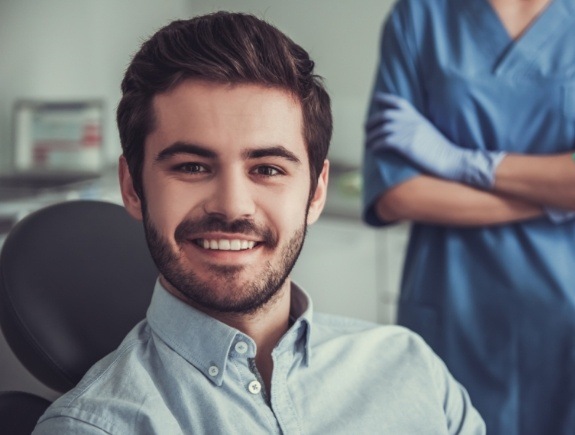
(14, 204)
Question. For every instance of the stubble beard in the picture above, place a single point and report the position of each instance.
(223, 292)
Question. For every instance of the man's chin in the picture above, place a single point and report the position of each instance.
(224, 294)
(224, 272)
(226, 306)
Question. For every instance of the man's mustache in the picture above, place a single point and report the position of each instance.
(187, 228)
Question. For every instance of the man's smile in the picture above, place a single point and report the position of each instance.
(225, 244)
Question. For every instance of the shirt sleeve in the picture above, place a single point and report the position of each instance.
(461, 416)
(66, 425)
(397, 74)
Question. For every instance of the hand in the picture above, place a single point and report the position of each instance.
(399, 127)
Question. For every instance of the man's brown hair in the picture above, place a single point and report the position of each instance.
(227, 48)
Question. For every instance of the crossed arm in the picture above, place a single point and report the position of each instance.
(433, 200)
(467, 187)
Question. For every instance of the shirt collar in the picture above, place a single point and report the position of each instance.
(206, 342)
(301, 312)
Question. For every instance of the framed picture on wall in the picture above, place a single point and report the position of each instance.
(56, 136)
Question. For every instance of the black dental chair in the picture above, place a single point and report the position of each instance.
(75, 277)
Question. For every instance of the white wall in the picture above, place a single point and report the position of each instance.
(65, 49)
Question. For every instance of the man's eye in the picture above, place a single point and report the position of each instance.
(268, 171)
(191, 168)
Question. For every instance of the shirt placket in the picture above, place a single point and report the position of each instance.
(281, 400)
(242, 356)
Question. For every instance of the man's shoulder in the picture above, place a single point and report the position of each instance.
(396, 351)
(116, 385)
(368, 334)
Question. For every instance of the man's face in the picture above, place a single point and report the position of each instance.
(226, 183)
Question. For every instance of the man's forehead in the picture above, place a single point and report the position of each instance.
(209, 114)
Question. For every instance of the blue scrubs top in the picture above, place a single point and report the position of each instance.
(496, 303)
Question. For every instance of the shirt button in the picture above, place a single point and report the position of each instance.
(213, 371)
(254, 387)
(241, 347)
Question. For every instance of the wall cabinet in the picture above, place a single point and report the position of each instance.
(351, 269)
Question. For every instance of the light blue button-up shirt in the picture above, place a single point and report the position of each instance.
(182, 372)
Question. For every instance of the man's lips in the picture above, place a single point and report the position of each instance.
(213, 234)
(219, 244)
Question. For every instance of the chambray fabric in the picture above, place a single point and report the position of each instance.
(183, 372)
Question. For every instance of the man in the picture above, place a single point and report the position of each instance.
(225, 132)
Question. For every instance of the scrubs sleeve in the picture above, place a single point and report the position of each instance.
(398, 74)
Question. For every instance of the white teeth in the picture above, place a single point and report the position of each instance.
(226, 244)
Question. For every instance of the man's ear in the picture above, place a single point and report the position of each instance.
(319, 196)
(131, 199)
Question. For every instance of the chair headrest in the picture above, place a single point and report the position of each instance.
(75, 277)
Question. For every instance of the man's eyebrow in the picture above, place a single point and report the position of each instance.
(274, 151)
(185, 148)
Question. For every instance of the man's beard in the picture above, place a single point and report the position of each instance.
(240, 297)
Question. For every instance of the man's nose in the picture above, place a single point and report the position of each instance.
(232, 197)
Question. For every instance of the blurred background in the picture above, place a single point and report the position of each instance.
(57, 52)
(66, 49)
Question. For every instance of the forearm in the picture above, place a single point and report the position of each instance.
(546, 180)
(433, 200)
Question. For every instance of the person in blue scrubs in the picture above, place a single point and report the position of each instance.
(471, 136)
